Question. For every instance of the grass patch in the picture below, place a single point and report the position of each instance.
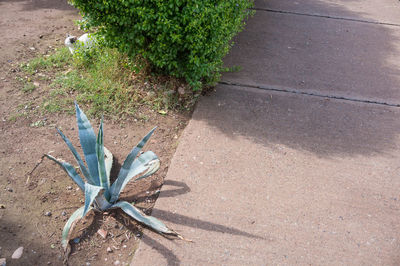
(106, 82)
(55, 61)
(28, 87)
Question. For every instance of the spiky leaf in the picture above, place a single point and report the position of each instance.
(70, 170)
(153, 166)
(88, 143)
(143, 163)
(74, 217)
(103, 178)
(91, 193)
(126, 166)
(139, 216)
(101, 203)
(109, 161)
(78, 158)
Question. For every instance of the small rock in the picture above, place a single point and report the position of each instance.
(109, 250)
(69, 188)
(40, 36)
(2, 206)
(32, 48)
(102, 233)
(47, 213)
(2, 261)
(87, 263)
(10, 189)
(181, 90)
(36, 84)
(117, 262)
(17, 253)
(64, 213)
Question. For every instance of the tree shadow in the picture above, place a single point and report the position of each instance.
(34, 251)
(311, 55)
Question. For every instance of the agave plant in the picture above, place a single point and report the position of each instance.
(100, 195)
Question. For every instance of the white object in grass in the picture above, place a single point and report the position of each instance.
(86, 41)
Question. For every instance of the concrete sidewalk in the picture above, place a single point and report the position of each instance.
(297, 159)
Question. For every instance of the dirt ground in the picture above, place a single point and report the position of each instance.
(29, 28)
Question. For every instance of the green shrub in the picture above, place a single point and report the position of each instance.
(185, 39)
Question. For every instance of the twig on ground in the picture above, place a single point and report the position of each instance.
(34, 168)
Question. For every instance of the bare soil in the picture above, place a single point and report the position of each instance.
(29, 28)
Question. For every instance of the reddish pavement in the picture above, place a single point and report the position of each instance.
(295, 159)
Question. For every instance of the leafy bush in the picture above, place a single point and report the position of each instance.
(99, 193)
(185, 39)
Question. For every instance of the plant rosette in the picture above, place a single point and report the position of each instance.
(100, 195)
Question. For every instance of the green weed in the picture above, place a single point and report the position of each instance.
(28, 87)
(105, 81)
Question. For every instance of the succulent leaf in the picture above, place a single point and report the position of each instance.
(101, 203)
(139, 216)
(74, 217)
(104, 181)
(88, 143)
(108, 161)
(144, 162)
(70, 170)
(78, 158)
(126, 167)
(153, 166)
(91, 193)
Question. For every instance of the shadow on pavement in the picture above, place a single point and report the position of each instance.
(330, 57)
(199, 224)
(168, 254)
(321, 126)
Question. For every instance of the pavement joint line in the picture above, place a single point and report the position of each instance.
(294, 91)
(326, 16)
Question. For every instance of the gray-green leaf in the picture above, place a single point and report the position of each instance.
(143, 163)
(139, 216)
(103, 178)
(70, 170)
(74, 217)
(91, 193)
(78, 158)
(88, 143)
